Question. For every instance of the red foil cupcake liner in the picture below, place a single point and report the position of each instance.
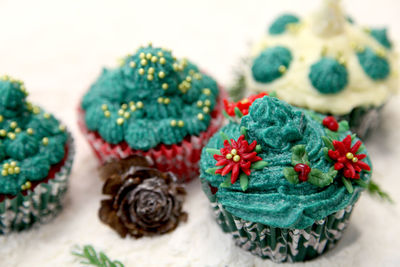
(181, 159)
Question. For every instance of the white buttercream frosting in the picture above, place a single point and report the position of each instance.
(326, 32)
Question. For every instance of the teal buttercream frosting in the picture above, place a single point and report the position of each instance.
(280, 24)
(152, 98)
(328, 76)
(31, 140)
(271, 64)
(381, 36)
(270, 198)
(377, 67)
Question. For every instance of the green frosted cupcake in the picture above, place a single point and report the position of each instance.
(326, 63)
(36, 154)
(283, 180)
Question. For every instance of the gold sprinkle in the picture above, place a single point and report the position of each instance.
(160, 54)
(3, 133)
(148, 55)
(11, 136)
(45, 141)
(17, 170)
(127, 115)
(132, 64)
(6, 166)
(355, 159)
(342, 61)
(142, 55)
(1, 118)
(234, 152)
(380, 52)
(23, 187)
(46, 115)
(236, 158)
(228, 156)
(207, 102)
(13, 125)
(133, 108)
(36, 110)
(141, 71)
(181, 123)
(197, 76)
(162, 61)
(150, 77)
(17, 130)
(188, 78)
(199, 103)
(28, 184)
(206, 109)
(349, 155)
(131, 103)
(124, 106)
(161, 74)
(107, 113)
(154, 59)
(173, 123)
(167, 101)
(120, 121)
(206, 91)
(62, 128)
(151, 70)
(165, 86)
(29, 131)
(143, 62)
(160, 100)
(120, 112)
(139, 104)
(4, 173)
(282, 69)
(104, 107)
(200, 116)
(10, 170)
(13, 163)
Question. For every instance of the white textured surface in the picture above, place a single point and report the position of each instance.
(58, 47)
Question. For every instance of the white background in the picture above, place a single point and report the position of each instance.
(58, 49)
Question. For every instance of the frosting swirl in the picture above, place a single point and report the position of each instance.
(270, 198)
(151, 98)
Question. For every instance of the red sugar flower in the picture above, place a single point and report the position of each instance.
(238, 155)
(243, 105)
(347, 159)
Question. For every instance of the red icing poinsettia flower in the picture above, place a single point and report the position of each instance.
(237, 155)
(331, 123)
(347, 159)
(243, 105)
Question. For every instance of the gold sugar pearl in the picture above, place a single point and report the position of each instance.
(200, 116)
(197, 76)
(207, 102)
(11, 136)
(132, 64)
(120, 121)
(17, 170)
(1, 118)
(62, 128)
(3, 133)
(124, 106)
(162, 61)
(234, 152)
(206, 109)
(17, 130)
(120, 112)
(355, 160)
(127, 115)
(199, 103)
(206, 91)
(6, 165)
(160, 100)
(46, 115)
(349, 155)
(13, 163)
(160, 54)
(139, 104)
(151, 70)
(104, 107)
(188, 78)
(142, 55)
(143, 62)
(167, 101)
(10, 171)
(150, 77)
(141, 71)
(154, 59)
(29, 131)
(148, 55)
(13, 125)
(228, 156)
(236, 158)
(133, 108)
(165, 86)
(107, 113)
(28, 184)
(282, 69)
(4, 173)
(161, 74)
(45, 141)
(181, 123)
(173, 123)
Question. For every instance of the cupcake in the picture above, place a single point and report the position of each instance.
(152, 105)
(326, 63)
(283, 181)
(142, 201)
(36, 154)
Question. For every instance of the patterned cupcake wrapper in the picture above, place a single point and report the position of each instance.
(40, 205)
(363, 120)
(181, 159)
(280, 244)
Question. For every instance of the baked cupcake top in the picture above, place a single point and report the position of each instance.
(151, 98)
(324, 62)
(284, 166)
(31, 140)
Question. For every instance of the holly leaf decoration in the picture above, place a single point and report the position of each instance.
(331, 135)
(259, 165)
(291, 175)
(321, 179)
(244, 181)
(328, 142)
(299, 155)
(227, 181)
(347, 184)
(343, 126)
(213, 151)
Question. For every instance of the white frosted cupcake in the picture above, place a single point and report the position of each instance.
(327, 63)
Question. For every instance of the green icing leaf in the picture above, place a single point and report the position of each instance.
(213, 151)
(347, 184)
(343, 126)
(291, 175)
(243, 131)
(226, 115)
(328, 142)
(374, 189)
(258, 148)
(259, 165)
(273, 94)
(299, 155)
(321, 179)
(225, 137)
(212, 170)
(227, 181)
(89, 256)
(362, 183)
(238, 113)
(244, 181)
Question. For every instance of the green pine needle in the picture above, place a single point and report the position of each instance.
(90, 257)
(374, 189)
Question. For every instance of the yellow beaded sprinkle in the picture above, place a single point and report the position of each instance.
(45, 141)
(173, 123)
(141, 71)
(120, 121)
(165, 86)
(161, 74)
(139, 104)
(181, 123)
(282, 69)
(13, 125)
(200, 116)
